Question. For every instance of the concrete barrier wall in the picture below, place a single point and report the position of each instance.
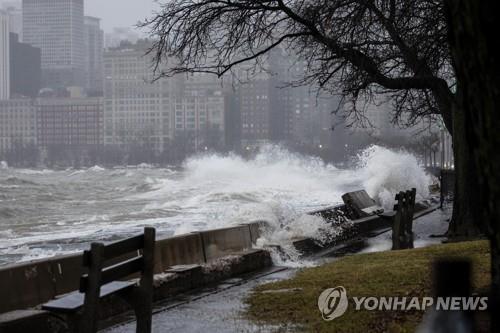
(179, 250)
(29, 284)
(220, 242)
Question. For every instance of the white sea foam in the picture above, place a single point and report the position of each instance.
(213, 191)
(279, 186)
(385, 172)
(35, 172)
(96, 168)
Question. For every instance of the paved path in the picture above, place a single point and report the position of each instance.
(218, 309)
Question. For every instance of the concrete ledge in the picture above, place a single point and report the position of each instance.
(33, 283)
(177, 281)
(220, 242)
(179, 250)
(174, 281)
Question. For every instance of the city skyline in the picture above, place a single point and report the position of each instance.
(132, 12)
(116, 110)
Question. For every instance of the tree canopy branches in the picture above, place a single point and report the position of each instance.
(357, 47)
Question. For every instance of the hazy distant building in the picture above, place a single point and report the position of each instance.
(75, 122)
(17, 123)
(378, 122)
(137, 111)
(268, 107)
(200, 110)
(4, 56)
(25, 68)
(15, 12)
(94, 48)
(118, 35)
(255, 110)
(199, 119)
(57, 28)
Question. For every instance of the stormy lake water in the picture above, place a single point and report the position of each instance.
(47, 212)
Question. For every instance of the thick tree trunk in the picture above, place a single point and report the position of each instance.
(466, 221)
(473, 39)
(466, 217)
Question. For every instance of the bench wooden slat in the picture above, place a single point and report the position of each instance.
(117, 249)
(121, 270)
(115, 272)
(74, 301)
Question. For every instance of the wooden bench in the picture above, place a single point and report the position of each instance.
(103, 280)
(402, 219)
(360, 204)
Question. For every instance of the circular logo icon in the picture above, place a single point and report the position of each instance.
(333, 303)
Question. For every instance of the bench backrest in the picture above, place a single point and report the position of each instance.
(142, 244)
(101, 272)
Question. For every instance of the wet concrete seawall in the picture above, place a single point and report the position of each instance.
(30, 284)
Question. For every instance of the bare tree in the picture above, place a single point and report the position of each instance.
(360, 48)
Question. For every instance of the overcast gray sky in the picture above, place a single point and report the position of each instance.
(119, 13)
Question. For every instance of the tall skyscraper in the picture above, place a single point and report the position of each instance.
(94, 48)
(25, 69)
(4, 56)
(57, 28)
(15, 12)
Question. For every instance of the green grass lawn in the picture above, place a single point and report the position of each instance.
(395, 273)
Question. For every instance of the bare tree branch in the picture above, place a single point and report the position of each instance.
(397, 48)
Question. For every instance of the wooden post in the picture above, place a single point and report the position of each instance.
(89, 318)
(404, 222)
(397, 222)
(411, 209)
(144, 301)
(407, 229)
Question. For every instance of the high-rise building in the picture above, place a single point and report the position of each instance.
(199, 120)
(137, 109)
(269, 107)
(57, 28)
(94, 48)
(201, 109)
(15, 12)
(184, 112)
(25, 69)
(4, 56)
(255, 109)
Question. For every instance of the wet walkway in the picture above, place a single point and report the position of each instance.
(217, 309)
